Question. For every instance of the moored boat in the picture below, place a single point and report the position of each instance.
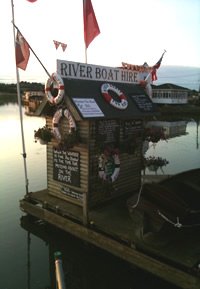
(172, 204)
(32, 101)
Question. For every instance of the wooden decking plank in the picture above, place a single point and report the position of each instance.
(56, 204)
(169, 273)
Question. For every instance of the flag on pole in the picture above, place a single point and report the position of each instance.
(156, 66)
(91, 27)
(22, 51)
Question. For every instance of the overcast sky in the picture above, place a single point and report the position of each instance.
(131, 31)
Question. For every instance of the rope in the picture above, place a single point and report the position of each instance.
(139, 196)
(177, 224)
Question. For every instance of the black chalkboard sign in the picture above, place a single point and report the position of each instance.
(107, 131)
(131, 127)
(66, 167)
(143, 102)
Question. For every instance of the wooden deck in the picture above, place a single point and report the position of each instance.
(112, 229)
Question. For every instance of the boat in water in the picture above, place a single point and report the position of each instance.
(167, 207)
(32, 101)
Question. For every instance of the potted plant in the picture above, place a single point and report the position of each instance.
(44, 135)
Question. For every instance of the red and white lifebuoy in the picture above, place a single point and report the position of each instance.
(103, 174)
(58, 83)
(56, 119)
(122, 104)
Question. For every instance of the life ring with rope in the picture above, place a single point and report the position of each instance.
(57, 83)
(62, 112)
(109, 166)
(122, 104)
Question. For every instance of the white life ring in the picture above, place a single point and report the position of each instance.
(122, 104)
(56, 119)
(102, 168)
(58, 83)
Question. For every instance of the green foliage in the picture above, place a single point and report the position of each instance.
(43, 133)
(24, 86)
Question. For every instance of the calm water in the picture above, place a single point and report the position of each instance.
(27, 248)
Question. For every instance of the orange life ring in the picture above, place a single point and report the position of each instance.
(58, 83)
(122, 104)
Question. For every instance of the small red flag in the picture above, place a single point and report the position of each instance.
(22, 51)
(91, 28)
(155, 67)
(64, 46)
(56, 43)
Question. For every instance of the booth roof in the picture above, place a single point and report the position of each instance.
(139, 104)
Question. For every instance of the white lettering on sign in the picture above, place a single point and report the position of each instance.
(68, 69)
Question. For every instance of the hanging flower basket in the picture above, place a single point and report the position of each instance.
(43, 135)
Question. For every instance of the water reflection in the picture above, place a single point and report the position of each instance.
(170, 128)
(84, 266)
(176, 151)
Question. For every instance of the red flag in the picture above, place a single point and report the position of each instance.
(56, 43)
(155, 67)
(22, 51)
(64, 46)
(91, 28)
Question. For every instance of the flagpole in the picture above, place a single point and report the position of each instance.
(20, 108)
(85, 54)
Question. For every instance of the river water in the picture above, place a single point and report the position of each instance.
(27, 248)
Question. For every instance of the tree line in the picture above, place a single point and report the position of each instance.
(24, 86)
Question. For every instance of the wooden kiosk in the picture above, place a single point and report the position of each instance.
(94, 161)
(100, 119)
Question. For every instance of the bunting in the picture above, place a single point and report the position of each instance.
(58, 43)
(64, 46)
(91, 27)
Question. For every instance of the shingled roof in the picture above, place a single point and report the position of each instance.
(169, 86)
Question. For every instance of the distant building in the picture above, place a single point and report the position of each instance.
(169, 94)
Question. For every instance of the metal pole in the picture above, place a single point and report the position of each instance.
(59, 271)
(20, 108)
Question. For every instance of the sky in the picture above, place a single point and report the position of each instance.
(132, 31)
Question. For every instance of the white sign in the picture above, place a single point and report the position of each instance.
(88, 107)
(68, 69)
